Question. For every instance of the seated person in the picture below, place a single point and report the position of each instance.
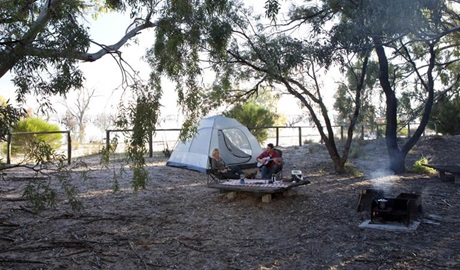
(269, 162)
(221, 170)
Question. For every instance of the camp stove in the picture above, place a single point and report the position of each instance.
(403, 209)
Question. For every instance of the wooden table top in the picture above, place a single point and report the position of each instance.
(257, 185)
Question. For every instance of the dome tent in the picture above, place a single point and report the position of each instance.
(237, 146)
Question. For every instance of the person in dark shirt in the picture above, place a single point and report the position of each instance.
(269, 162)
(221, 170)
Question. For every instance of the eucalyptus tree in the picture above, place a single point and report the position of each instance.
(344, 97)
(412, 36)
(42, 43)
(241, 49)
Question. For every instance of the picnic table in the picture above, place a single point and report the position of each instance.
(442, 169)
(258, 186)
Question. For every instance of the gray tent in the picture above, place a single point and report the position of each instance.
(237, 146)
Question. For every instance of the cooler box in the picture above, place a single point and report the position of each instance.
(296, 175)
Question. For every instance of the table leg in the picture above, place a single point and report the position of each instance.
(267, 198)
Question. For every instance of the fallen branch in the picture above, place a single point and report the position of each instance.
(27, 178)
(11, 260)
(8, 224)
(445, 201)
(13, 199)
(7, 238)
(190, 246)
(28, 210)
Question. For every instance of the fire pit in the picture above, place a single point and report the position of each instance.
(402, 209)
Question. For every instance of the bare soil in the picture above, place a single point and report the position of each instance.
(179, 223)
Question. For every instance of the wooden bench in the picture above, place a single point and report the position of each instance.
(442, 169)
(257, 186)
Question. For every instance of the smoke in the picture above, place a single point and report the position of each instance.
(382, 173)
(383, 180)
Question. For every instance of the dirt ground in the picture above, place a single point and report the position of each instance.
(179, 223)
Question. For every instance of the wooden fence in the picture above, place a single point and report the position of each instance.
(10, 135)
(278, 135)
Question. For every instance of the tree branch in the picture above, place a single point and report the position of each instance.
(90, 57)
(29, 36)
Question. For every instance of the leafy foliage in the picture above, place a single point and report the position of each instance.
(40, 194)
(185, 30)
(24, 143)
(271, 9)
(445, 117)
(39, 191)
(33, 45)
(142, 115)
(9, 116)
(344, 102)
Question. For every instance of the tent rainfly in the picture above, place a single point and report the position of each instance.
(237, 146)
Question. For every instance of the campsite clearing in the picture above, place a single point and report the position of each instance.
(177, 222)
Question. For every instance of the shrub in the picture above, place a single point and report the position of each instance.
(419, 168)
(355, 152)
(352, 170)
(252, 115)
(444, 116)
(22, 143)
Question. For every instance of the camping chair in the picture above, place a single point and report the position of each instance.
(279, 174)
(212, 178)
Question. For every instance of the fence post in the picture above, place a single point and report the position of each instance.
(408, 129)
(107, 140)
(150, 144)
(69, 148)
(341, 133)
(277, 135)
(300, 136)
(8, 148)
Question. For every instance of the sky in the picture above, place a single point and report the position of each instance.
(104, 74)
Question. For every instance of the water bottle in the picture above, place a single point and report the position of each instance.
(242, 179)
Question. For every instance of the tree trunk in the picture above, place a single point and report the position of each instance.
(339, 165)
(398, 155)
(397, 159)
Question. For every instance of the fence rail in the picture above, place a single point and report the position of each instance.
(163, 139)
(279, 135)
(11, 134)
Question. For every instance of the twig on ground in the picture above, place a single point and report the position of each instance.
(13, 199)
(139, 256)
(28, 210)
(7, 238)
(11, 260)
